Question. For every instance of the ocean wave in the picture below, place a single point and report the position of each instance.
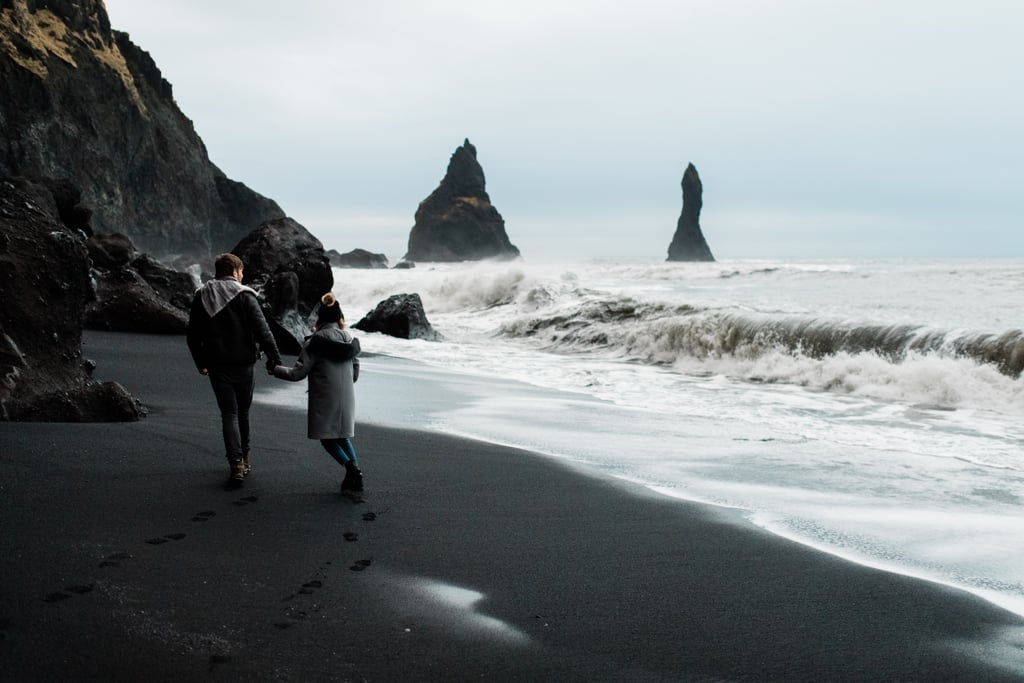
(666, 334)
(904, 363)
(825, 327)
(690, 271)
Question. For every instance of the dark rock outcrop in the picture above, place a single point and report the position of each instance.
(457, 222)
(357, 258)
(78, 100)
(688, 243)
(44, 276)
(400, 315)
(68, 198)
(125, 302)
(173, 286)
(135, 292)
(110, 251)
(91, 402)
(288, 268)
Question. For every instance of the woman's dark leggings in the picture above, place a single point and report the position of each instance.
(341, 450)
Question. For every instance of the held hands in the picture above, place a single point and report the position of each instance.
(271, 364)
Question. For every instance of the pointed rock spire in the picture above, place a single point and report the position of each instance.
(688, 243)
(457, 222)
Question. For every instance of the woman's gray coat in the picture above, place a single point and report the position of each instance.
(328, 358)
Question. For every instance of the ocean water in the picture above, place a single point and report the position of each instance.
(871, 409)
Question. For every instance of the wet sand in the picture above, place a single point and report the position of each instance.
(124, 559)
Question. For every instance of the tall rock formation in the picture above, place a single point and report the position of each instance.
(289, 270)
(44, 277)
(80, 101)
(457, 222)
(688, 243)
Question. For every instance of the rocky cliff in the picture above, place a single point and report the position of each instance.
(688, 243)
(79, 101)
(457, 222)
(44, 277)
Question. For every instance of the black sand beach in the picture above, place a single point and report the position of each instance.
(124, 560)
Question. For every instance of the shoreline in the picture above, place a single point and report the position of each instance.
(456, 397)
(476, 559)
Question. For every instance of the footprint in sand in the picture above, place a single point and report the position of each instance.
(77, 589)
(165, 538)
(246, 500)
(369, 516)
(290, 621)
(115, 559)
(360, 565)
(218, 659)
(350, 536)
(204, 516)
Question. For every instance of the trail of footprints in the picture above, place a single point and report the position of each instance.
(296, 612)
(118, 558)
(292, 615)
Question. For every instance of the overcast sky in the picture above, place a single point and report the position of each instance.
(820, 129)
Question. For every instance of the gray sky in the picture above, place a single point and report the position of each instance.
(820, 129)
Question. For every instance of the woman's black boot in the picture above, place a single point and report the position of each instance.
(353, 480)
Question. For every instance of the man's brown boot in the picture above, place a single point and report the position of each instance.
(237, 475)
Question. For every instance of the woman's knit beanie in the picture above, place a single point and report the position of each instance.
(329, 311)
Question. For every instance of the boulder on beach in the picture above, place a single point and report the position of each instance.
(290, 271)
(174, 286)
(134, 292)
(457, 222)
(125, 302)
(400, 315)
(111, 250)
(688, 243)
(44, 275)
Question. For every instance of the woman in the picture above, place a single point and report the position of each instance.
(328, 358)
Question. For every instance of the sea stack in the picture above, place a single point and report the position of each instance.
(688, 243)
(457, 222)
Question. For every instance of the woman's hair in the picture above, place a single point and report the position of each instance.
(329, 311)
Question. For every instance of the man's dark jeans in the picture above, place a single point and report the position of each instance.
(233, 388)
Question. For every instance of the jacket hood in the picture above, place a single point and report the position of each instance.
(334, 345)
(216, 294)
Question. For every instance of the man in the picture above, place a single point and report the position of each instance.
(224, 328)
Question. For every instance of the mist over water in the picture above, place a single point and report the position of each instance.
(871, 409)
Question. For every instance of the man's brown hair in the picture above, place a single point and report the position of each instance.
(226, 264)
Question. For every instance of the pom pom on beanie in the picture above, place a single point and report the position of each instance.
(329, 311)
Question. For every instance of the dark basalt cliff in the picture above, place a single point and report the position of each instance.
(80, 101)
(44, 277)
(688, 243)
(457, 222)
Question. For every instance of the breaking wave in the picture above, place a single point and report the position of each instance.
(664, 334)
(680, 320)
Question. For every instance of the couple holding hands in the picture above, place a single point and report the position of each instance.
(225, 327)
